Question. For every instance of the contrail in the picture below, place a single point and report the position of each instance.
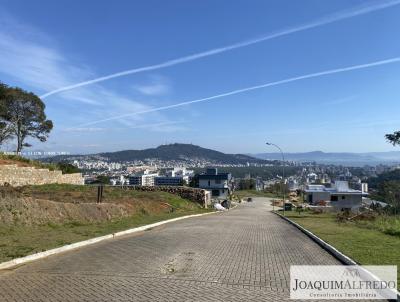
(360, 10)
(294, 79)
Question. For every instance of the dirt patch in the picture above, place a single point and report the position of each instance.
(14, 162)
(37, 205)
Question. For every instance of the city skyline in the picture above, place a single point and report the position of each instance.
(303, 75)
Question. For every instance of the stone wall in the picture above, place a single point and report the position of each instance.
(21, 176)
(194, 194)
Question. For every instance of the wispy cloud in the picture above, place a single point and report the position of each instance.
(30, 57)
(156, 86)
(338, 16)
(341, 101)
(243, 90)
(87, 129)
(152, 89)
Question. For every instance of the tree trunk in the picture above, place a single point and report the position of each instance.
(19, 139)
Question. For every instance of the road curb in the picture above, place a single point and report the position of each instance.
(326, 246)
(72, 246)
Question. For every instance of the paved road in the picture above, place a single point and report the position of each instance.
(240, 255)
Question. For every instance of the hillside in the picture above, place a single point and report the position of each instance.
(172, 152)
(68, 214)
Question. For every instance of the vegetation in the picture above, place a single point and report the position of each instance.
(87, 194)
(102, 179)
(269, 172)
(66, 168)
(253, 193)
(393, 138)
(247, 184)
(182, 152)
(368, 242)
(19, 239)
(386, 187)
(22, 116)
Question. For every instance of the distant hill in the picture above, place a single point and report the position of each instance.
(181, 152)
(342, 158)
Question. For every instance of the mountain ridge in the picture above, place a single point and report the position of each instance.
(170, 152)
(335, 157)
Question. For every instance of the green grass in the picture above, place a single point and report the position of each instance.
(254, 193)
(364, 242)
(66, 168)
(18, 241)
(29, 162)
(71, 193)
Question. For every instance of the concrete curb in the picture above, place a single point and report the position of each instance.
(326, 246)
(69, 247)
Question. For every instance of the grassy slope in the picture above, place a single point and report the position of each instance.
(254, 193)
(21, 240)
(24, 162)
(367, 246)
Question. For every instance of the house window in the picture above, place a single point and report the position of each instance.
(343, 197)
(218, 181)
(215, 192)
(209, 183)
(334, 198)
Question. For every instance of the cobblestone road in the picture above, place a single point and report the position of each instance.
(240, 255)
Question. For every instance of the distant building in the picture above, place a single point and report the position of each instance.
(182, 172)
(260, 186)
(292, 184)
(311, 178)
(146, 178)
(120, 180)
(339, 196)
(168, 181)
(218, 184)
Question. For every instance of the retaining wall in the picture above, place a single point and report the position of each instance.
(20, 176)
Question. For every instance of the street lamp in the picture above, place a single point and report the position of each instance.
(283, 173)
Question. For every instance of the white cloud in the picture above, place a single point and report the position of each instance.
(30, 58)
(153, 89)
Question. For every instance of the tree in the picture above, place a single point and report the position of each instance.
(22, 113)
(394, 138)
(5, 129)
(391, 193)
(5, 132)
(67, 168)
(102, 179)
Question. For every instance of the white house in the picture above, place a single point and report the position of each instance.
(339, 196)
(182, 172)
(218, 184)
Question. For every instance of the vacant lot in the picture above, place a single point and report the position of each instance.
(37, 218)
(360, 241)
(254, 193)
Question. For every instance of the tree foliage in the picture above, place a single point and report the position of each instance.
(393, 138)
(22, 116)
(247, 184)
(67, 168)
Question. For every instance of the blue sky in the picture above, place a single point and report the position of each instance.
(48, 45)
